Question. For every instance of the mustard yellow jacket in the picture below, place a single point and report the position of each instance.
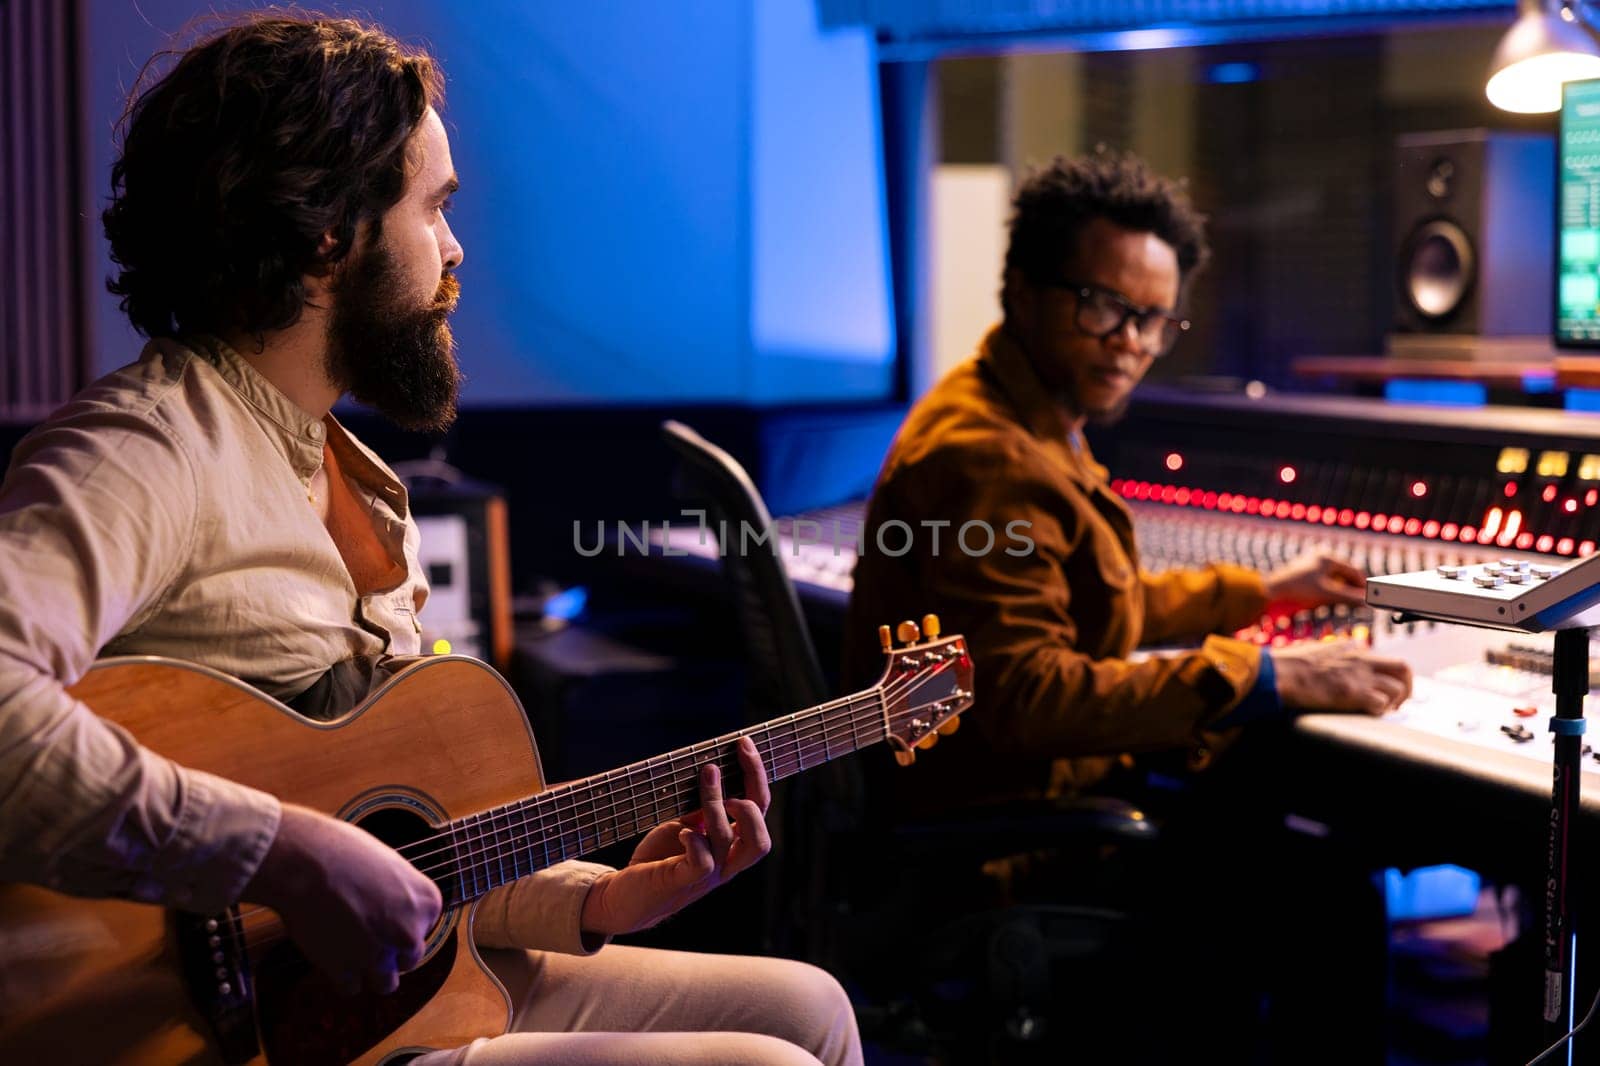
(1052, 622)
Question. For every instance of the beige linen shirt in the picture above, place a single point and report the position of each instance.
(165, 511)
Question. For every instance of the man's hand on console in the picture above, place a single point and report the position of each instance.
(1340, 675)
(1312, 580)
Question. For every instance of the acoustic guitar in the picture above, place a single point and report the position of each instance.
(440, 764)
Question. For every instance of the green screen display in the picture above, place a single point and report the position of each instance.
(1578, 279)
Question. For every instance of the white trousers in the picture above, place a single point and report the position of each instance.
(628, 1006)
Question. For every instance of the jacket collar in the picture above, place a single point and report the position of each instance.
(1003, 358)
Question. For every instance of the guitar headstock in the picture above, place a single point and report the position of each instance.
(926, 685)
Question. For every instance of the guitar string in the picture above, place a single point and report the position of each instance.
(687, 785)
(680, 784)
(261, 926)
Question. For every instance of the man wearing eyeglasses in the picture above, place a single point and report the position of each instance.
(1101, 253)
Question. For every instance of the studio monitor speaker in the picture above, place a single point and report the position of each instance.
(1474, 225)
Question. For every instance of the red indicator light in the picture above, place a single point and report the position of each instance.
(1467, 533)
(1545, 543)
(1174, 461)
(1210, 501)
(1363, 520)
(1448, 531)
(1564, 546)
(1238, 505)
(1380, 522)
(1548, 494)
(1430, 529)
(1590, 497)
(1570, 506)
(1297, 512)
(1419, 489)
(1313, 513)
(1524, 541)
(1328, 517)
(1586, 548)
(1168, 493)
(1413, 526)
(1511, 489)
(1287, 475)
(1252, 505)
(1181, 498)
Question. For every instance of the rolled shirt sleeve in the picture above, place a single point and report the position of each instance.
(97, 519)
(541, 912)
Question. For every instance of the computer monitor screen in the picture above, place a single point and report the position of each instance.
(1578, 216)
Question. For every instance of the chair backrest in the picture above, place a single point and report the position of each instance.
(786, 674)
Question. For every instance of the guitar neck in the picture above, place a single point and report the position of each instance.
(473, 855)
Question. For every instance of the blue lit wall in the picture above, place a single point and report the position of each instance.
(661, 202)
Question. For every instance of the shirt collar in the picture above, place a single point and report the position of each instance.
(303, 434)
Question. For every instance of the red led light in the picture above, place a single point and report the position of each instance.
(1545, 543)
(1252, 505)
(1448, 531)
(1297, 512)
(1419, 489)
(1564, 546)
(1329, 517)
(1467, 533)
(1174, 461)
(1511, 489)
(1570, 506)
(1586, 548)
(1168, 493)
(1346, 517)
(1210, 501)
(1430, 529)
(1591, 497)
(1238, 505)
(1181, 498)
(1380, 522)
(1548, 494)
(1283, 509)
(1313, 513)
(1287, 475)
(1142, 490)
(1413, 526)
(1363, 520)
(1524, 541)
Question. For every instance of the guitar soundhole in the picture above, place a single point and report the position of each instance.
(306, 1019)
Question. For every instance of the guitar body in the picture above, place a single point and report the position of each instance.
(92, 981)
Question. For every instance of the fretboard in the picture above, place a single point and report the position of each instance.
(472, 855)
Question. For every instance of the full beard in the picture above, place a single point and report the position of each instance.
(389, 354)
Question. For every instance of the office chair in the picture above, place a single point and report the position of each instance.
(996, 966)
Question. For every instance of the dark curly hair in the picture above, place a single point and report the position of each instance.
(1054, 204)
(269, 133)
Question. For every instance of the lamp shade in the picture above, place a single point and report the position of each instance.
(1539, 52)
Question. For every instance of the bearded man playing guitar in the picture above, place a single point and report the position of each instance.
(278, 220)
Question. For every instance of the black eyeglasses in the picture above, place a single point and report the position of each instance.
(1102, 313)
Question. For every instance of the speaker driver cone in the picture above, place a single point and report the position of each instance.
(1438, 269)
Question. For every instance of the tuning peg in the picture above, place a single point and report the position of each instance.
(930, 626)
(885, 638)
(908, 632)
(904, 758)
(928, 741)
(946, 728)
